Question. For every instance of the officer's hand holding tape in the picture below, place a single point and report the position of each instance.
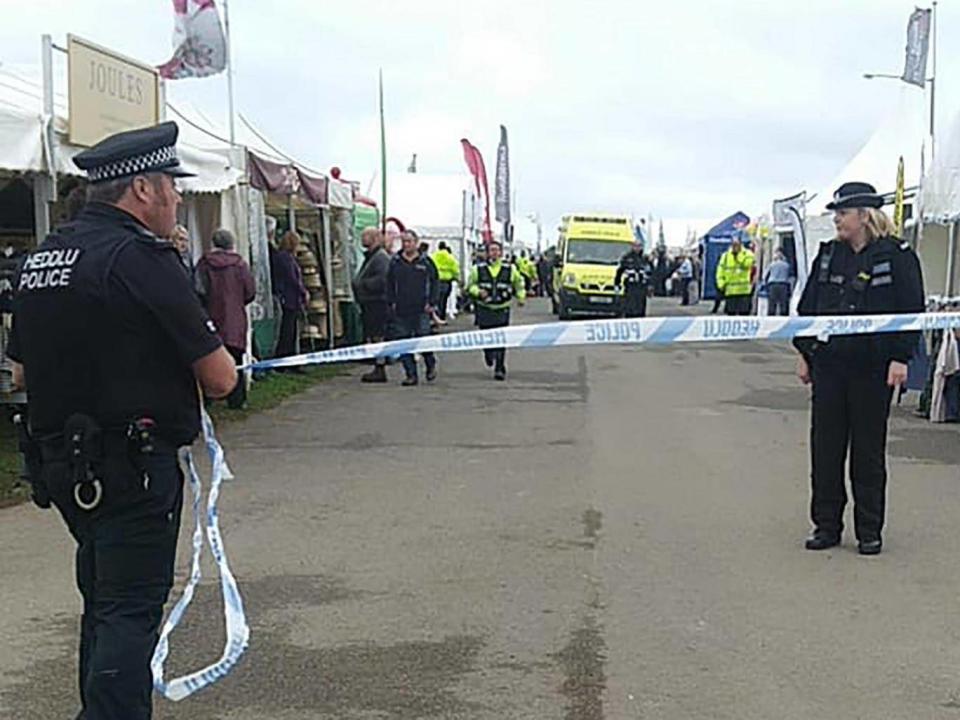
(897, 374)
(803, 370)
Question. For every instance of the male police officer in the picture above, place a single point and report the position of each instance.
(634, 274)
(493, 285)
(109, 341)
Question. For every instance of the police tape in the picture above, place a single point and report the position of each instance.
(633, 331)
(637, 331)
(237, 630)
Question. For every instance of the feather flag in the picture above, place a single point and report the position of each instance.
(474, 160)
(918, 47)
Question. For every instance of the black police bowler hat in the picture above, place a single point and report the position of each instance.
(133, 152)
(855, 195)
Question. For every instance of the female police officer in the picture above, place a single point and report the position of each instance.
(110, 342)
(863, 271)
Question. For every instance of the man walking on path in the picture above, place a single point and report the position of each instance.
(527, 271)
(735, 278)
(412, 289)
(685, 275)
(448, 271)
(778, 282)
(370, 290)
(493, 285)
(226, 286)
(544, 279)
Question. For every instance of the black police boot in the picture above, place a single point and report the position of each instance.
(410, 381)
(431, 374)
(822, 540)
(870, 547)
(500, 374)
(377, 375)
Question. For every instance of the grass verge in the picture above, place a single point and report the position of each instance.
(272, 390)
(12, 491)
(264, 394)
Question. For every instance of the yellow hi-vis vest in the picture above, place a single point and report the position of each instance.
(733, 273)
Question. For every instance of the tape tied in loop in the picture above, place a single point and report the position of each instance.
(237, 630)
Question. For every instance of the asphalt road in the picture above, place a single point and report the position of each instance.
(613, 533)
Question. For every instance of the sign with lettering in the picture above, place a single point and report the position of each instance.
(108, 93)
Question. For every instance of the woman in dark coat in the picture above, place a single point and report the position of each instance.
(288, 287)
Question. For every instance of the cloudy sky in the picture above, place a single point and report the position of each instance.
(688, 111)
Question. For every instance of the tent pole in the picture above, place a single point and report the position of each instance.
(933, 81)
(226, 23)
(950, 286)
(44, 183)
(328, 273)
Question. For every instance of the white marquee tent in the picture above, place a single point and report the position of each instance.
(23, 148)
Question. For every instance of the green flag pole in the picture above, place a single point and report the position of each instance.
(383, 162)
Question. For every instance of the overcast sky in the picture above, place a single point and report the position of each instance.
(688, 111)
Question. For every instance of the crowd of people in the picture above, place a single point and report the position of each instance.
(407, 294)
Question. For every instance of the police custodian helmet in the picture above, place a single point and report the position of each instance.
(855, 195)
(134, 152)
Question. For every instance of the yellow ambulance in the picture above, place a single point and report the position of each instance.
(589, 250)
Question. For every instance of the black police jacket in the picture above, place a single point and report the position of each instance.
(882, 278)
(634, 268)
(106, 323)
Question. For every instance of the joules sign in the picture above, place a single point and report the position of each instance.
(108, 93)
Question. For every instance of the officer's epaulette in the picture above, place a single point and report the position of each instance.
(148, 237)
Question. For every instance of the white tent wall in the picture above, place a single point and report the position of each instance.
(940, 194)
(932, 250)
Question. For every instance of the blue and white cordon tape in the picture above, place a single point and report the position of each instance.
(640, 331)
(237, 631)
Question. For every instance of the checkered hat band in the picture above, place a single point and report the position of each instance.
(154, 160)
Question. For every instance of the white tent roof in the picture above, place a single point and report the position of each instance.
(902, 132)
(425, 200)
(22, 139)
(941, 185)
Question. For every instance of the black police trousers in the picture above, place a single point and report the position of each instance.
(635, 300)
(738, 304)
(489, 318)
(851, 404)
(124, 564)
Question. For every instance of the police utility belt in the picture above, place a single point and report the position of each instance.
(89, 463)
